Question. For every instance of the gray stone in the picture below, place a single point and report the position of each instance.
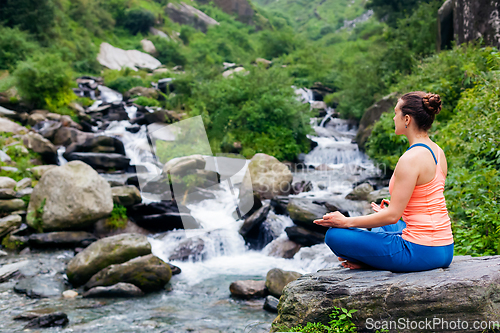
(255, 220)
(185, 14)
(102, 161)
(7, 193)
(283, 248)
(106, 251)
(61, 239)
(11, 205)
(360, 192)
(115, 58)
(191, 248)
(149, 273)
(9, 270)
(148, 46)
(464, 291)
(304, 211)
(11, 127)
(75, 197)
(40, 287)
(303, 236)
(142, 91)
(48, 320)
(378, 195)
(242, 8)
(102, 229)
(7, 182)
(9, 224)
(120, 289)
(4, 157)
(248, 289)
(35, 118)
(231, 72)
(39, 170)
(372, 115)
(182, 166)
(127, 195)
(24, 192)
(23, 183)
(38, 144)
(271, 304)
(277, 279)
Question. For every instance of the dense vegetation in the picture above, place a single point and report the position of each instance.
(45, 44)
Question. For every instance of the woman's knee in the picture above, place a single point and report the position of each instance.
(336, 238)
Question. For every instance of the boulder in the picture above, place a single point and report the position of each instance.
(231, 72)
(248, 289)
(101, 161)
(11, 205)
(7, 182)
(120, 289)
(104, 252)
(461, 292)
(191, 248)
(127, 195)
(271, 304)
(9, 224)
(371, 115)
(23, 183)
(4, 157)
(8, 271)
(48, 320)
(148, 46)
(269, 177)
(35, 118)
(61, 239)
(41, 145)
(9, 126)
(39, 170)
(149, 273)
(40, 287)
(242, 8)
(378, 195)
(75, 196)
(102, 229)
(252, 224)
(162, 216)
(185, 14)
(277, 279)
(468, 20)
(360, 192)
(261, 61)
(185, 165)
(96, 144)
(304, 211)
(283, 248)
(303, 236)
(69, 294)
(64, 136)
(115, 58)
(7, 193)
(156, 32)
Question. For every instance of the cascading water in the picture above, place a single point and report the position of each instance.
(199, 297)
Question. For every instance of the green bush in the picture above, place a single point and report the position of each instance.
(341, 322)
(45, 81)
(145, 101)
(277, 43)
(138, 20)
(168, 52)
(260, 110)
(36, 16)
(125, 83)
(118, 218)
(15, 46)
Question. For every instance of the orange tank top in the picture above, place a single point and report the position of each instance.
(425, 215)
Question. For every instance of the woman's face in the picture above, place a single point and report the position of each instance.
(399, 120)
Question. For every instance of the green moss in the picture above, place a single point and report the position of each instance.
(118, 218)
(12, 245)
(36, 217)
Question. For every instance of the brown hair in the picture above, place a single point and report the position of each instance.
(422, 107)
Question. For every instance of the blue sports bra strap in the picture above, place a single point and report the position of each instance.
(426, 146)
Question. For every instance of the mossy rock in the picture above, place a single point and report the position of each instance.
(106, 251)
(149, 273)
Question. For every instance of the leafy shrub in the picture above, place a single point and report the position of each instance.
(168, 52)
(259, 110)
(36, 16)
(15, 46)
(145, 101)
(341, 322)
(125, 83)
(118, 218)
(138, 20)
(276, 43)
(45, 81)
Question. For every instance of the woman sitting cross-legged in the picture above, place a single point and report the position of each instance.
(424, 240)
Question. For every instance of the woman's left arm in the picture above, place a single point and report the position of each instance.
(405, 178)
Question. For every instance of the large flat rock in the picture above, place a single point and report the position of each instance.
(468, 290)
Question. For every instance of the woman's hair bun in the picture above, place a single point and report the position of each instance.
(432, 103)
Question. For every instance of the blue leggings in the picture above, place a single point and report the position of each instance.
(384, 248)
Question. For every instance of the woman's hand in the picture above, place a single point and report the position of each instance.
(333, 220)
(378, 208)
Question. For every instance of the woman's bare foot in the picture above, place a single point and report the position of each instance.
(351, 265)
